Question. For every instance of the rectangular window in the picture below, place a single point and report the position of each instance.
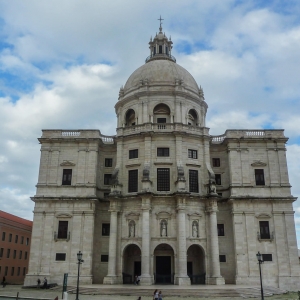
(15, 253)
(160, 49)
(264, 229)
(24, 271)
(163, 179)
(20, 255)
(27, 241)
(1, 252)
(267, 257)
(3, 236)
(192, 154)
(163, 152)
(25, 255)
(104, 258)
(67, 177)
(6, 271)
(161, 120)
(16, 238)
(8, 253)
(193, 181)
(62, 230)
(216, 162)
(108, 162)
(19, 270)
(133, 153)
(10, 237)
(218, 179)
(222, 258)
(259, 177)
(22, 240)
(221, 231)
(132, 181)
(12, 271)
(60, 256)
(107, 179)
(105, 229)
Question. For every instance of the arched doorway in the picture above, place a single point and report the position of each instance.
(192, 118)
(131, 263)
(196, 264)
(161, 114)
(130, 118)
(164, 268)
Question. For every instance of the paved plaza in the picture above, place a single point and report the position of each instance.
(131, 292)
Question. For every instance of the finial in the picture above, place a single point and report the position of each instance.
(170, 38)
(160, 22)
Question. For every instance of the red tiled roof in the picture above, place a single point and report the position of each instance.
(14, 218)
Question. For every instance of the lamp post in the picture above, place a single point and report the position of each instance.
(260, 261)
(80, 261)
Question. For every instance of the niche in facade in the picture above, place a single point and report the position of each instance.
(193, 118)
(130, 118)
(161, 113)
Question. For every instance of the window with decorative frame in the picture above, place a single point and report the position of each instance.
(132, 181)
(62, 232)
(163, 179)
(259, 176)
(193, 181)
(192, 154)
(163, 152)
(264, 230)
(67, 177)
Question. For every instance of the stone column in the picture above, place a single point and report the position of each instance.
(215, 275)
(111, 277)
(181, 276)
(146, 278)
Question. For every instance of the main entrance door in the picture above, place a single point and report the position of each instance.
(164, 264)
(163, 269)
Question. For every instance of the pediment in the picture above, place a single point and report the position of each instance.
(132, 216)
(67, 163)
(163, 215)
(194, 216)
(263, 216)
(258, 163)
(63, 215)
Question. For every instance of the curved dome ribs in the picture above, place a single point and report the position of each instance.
(160, 92)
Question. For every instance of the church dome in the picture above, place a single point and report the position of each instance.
(162, 71)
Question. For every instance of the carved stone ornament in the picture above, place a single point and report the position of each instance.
(258, 163)
(132, 216)
(67, 163)
(163, 215)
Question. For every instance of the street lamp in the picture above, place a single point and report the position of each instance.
(260, 261)
(80, 261)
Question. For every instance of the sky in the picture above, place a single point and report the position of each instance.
(62, 64)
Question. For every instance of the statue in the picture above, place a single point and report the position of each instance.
(146, 172)
(180, 173)
(212, 187)
(131, 229)
(163, 228)
(114, 177)
(195, 229)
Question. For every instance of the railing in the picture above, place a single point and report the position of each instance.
(161, 56)
(250, 133)
(70, 133)
(158, 127)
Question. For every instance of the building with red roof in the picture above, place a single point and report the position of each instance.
(15, 238)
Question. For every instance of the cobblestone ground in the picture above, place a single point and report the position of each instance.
(49, 294)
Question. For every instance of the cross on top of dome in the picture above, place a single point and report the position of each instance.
(160, 47)
(160, 22)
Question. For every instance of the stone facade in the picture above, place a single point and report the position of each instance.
(163, 198)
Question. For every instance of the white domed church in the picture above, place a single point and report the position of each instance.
(163, 198)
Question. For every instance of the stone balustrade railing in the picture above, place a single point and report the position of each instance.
(78, 134)
(161, 127)
(248, 133)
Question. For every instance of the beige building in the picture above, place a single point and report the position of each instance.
(163, 198)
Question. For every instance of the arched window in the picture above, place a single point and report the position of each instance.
(161, 113)
(193, 118)
(130, 118)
